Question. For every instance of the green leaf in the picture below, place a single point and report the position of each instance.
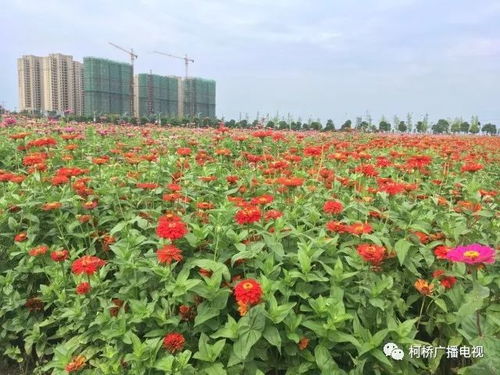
(401, 248)
(205, 313)
(324, 359)
(272, 335)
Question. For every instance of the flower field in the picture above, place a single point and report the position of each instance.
(149, 250)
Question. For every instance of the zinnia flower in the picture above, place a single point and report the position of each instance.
(303, 343)
(373, 254)
(424, 287)
(76, 363)
(472, 254)
(441, 251)
(83, 288)
(39, 250)
(248, 291)
(21, 237)
(87, 264)
(448, 281)
(248, 215)
(333, 207)
(171, 227)
(59, 255)
(168, 254)
(174, 342)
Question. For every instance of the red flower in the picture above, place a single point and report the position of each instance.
(441, 251)
(60, 255)
(359, 228)
(87, 264)
(422, 237)
(333, 207)
(183, 151)
(371, 253)
(248, 215)
(273, 214)
(393, 188)
(83, 288)
(171, 227)
(21, 237)
(147, 185)
(174, 342)
(248, 291)
(336, 226)
(186, 312)
(437, 273)
(168, 254)
(471, 167)
(34, 304)
(262, 199)
(303, 343)
(367, 170)
(448, 281)
(204, 272)
(39, 250)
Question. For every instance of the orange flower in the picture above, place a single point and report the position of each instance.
(424, 287)
(51, 206)
(303, 343)
(76, 363)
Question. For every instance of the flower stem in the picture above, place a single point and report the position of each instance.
(420, 314)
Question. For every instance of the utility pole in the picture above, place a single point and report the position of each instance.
(133, 56)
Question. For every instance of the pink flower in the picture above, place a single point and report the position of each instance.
(472, 254)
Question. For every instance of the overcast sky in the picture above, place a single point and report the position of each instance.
(310, 58)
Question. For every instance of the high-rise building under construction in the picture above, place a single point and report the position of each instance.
(156, 95)
(198, 97)
(106, 86)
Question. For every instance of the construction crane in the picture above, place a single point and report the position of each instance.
(133, 56)
(187, 60)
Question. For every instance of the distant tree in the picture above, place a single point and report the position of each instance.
(297, 125)
(474, 128)
(316, 125)
(396, 122)
(455, 127)
(420, 127)
(409, 122)
(384, 126)
(369, 119)
(489, 129)
(330, 126)
(358, 123)
(363, 126)
(346, 125)
(441, 126)
(402, 126)
(270, 124)
(425, 122)
(283, 125)
(475, 122)
(464, 127)
(305, 126)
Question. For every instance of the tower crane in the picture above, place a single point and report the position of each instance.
(133, 56)
(187, 60)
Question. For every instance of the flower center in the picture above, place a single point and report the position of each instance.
(471, 254)
(247, 286)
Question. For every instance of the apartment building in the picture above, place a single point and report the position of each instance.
(52, 83)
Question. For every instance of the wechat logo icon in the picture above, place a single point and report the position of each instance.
(393, 351)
